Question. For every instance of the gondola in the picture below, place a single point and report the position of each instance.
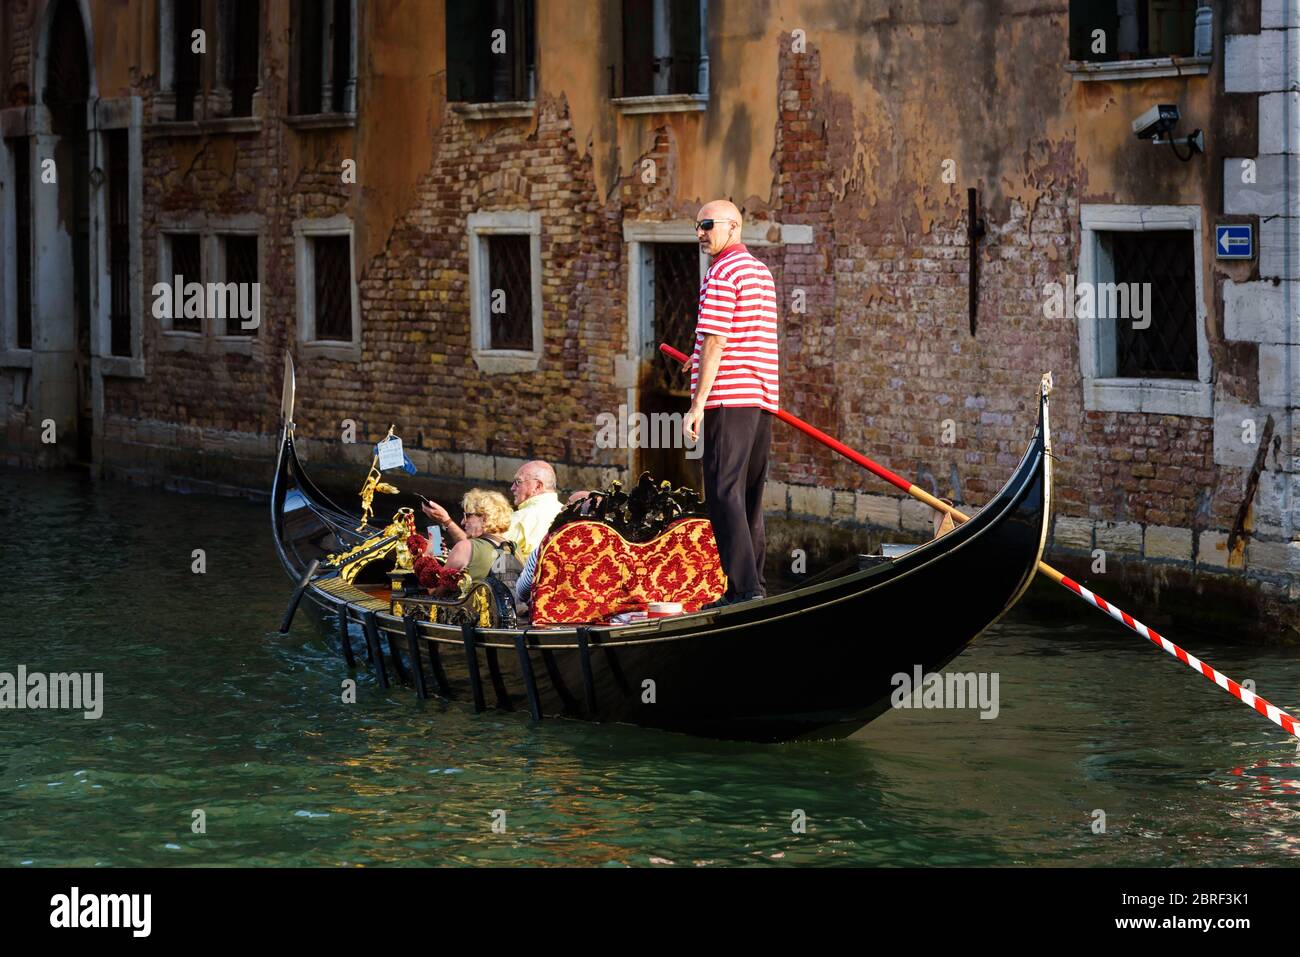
(816, 662)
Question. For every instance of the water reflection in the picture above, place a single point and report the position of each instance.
(206, 709)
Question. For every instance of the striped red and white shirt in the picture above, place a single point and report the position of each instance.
(738, 301)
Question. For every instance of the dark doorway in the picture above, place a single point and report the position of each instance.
(67, 89)
(673, 301)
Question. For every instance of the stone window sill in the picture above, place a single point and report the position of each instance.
(511, 109)
(322, 121)
(171, 341)
(504, 362)
(1140, 69)
(338, 351)
(225, 124)
(670, 103)
(237, 345)
(121, 367)
(16, 359)
(1157, 396)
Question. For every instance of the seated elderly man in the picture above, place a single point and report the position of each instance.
(536, 506)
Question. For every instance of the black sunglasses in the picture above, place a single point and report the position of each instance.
(704, 225)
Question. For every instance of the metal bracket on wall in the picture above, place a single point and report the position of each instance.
(974, 232)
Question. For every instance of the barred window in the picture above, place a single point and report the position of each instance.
(510, 297)
(240, 253)
(333, 287)
(675, 288)
(1107, 30)
(1166, 348)
(187, 263)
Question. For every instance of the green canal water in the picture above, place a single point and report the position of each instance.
(206, 709)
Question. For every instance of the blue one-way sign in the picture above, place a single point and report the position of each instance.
(1234, 241)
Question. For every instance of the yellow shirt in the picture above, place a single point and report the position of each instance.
(531, 521)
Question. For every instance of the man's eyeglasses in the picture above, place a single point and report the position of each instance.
(704, 225)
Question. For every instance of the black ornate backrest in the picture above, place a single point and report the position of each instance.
(639, 515)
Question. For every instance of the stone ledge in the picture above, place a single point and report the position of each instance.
(1119, 537)
(1083, 71)
(1167, 542)
(776, 497)
(843, 505)
(884, 511)
(321, 121)
(1273, 558)
(1212, 550)
(1073, 533)
(668, 103)
(511, 109)
(917, 516)
(478, 467)
(811, 500)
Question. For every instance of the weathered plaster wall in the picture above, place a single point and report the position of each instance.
(850, 136)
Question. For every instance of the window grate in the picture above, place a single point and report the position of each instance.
(244, 61)
(510, 296)
(333, 268)
(23, 237)
(188, 264)
(1164, 258)
(119, 242)
(676, 294)
(241, 268)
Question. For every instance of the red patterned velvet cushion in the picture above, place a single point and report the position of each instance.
(587, 571)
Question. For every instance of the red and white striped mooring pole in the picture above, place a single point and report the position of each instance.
(1275, 714)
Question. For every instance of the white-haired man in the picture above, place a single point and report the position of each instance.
(536, 505)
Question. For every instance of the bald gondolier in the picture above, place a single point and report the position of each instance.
(734, 393)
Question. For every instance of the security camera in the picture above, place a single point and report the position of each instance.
(1156, 121)
(1156, 125)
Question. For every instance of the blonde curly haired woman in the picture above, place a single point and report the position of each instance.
(487, 517)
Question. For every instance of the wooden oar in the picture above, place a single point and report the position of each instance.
(1275, 714)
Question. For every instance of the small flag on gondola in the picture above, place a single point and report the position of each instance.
(391, 456)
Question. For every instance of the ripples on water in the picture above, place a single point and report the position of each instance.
(207, 709)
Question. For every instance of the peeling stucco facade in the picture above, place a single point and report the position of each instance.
(841, 117)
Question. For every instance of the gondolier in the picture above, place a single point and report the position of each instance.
(731, 669)
(734, 393)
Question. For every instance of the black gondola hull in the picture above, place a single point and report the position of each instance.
(817, 662)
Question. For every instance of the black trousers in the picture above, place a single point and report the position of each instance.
(736, 443)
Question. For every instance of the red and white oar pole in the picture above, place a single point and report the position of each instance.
(1275, 714)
